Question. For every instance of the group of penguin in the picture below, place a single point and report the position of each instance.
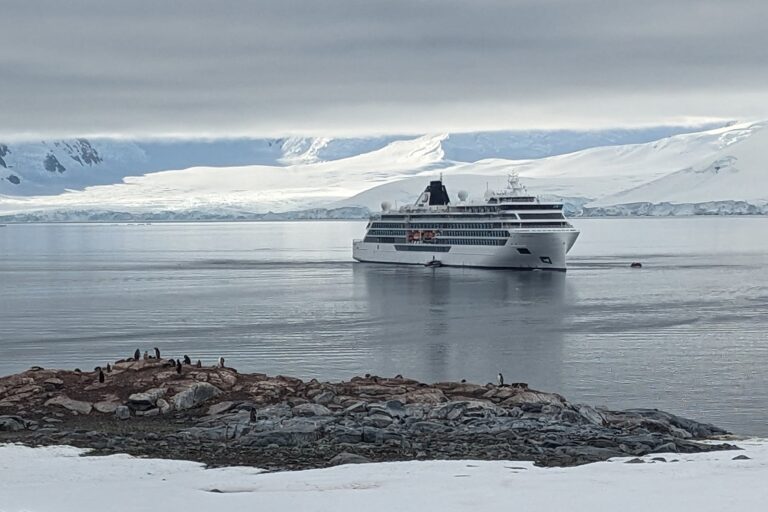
(178, 363)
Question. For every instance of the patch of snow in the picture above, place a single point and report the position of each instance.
(60, 479)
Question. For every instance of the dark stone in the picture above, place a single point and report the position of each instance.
(52, 164)
(12, 423)
(348, 458)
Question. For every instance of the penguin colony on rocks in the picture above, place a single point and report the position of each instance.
(178, 364)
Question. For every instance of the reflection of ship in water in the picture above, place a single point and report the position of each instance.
(466, 323)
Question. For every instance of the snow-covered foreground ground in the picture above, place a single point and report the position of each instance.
(57, 479)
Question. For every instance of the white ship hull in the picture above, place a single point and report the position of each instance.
(546, 251)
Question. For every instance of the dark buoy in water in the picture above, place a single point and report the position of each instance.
(636, 264)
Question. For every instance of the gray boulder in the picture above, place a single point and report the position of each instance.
(591, 415)
(76, 406)
(105, 407)
(12, 423)
(122, 412)
(198, 393)
(293, 436)
(325, 397)
(311, 410)
(146, 400)
(221, 407)
(378, 420)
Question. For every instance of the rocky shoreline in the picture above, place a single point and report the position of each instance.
(158, 408)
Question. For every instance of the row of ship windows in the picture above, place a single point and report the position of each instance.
(437, 225)
(397, 229)
(534, 216)
(442, 233)
(546, 225)
(442, 241)
(472, 241)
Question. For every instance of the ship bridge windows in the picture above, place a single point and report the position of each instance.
(533, 206)
(545, 225)
(534, 216)
(454, 225)
(389, 225)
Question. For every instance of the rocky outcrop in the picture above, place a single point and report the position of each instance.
(219, 416)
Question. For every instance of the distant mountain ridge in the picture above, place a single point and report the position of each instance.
(716, 172)
(52, 167)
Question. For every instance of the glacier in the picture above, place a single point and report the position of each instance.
(718, 171)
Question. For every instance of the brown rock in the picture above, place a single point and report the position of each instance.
(425, 396)
(534, 397)
(53, 383)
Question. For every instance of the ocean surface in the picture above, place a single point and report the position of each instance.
(686, 333)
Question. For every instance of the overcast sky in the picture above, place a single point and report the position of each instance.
(136, 67)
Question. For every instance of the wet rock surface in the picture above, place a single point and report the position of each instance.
(220, 417)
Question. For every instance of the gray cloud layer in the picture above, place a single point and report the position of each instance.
(225, 67)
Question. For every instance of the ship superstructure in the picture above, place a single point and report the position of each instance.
(509, 229)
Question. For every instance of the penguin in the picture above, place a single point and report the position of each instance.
(187, 360)
(221, 362)
(199, 364)
(77, 370)
(500, 379)
(178, 367)
(101, 376)
(157, 353)
(109, 368)
(463, 381)
(146, 355)
(136, 355)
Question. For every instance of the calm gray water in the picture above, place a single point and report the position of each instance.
(686, 333)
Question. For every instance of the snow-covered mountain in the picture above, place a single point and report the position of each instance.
(723, 170)
(715, 171)
(51, 167)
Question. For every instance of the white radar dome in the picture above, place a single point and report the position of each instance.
(463, 195)
(385, 206)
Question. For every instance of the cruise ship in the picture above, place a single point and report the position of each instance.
(510, 229)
